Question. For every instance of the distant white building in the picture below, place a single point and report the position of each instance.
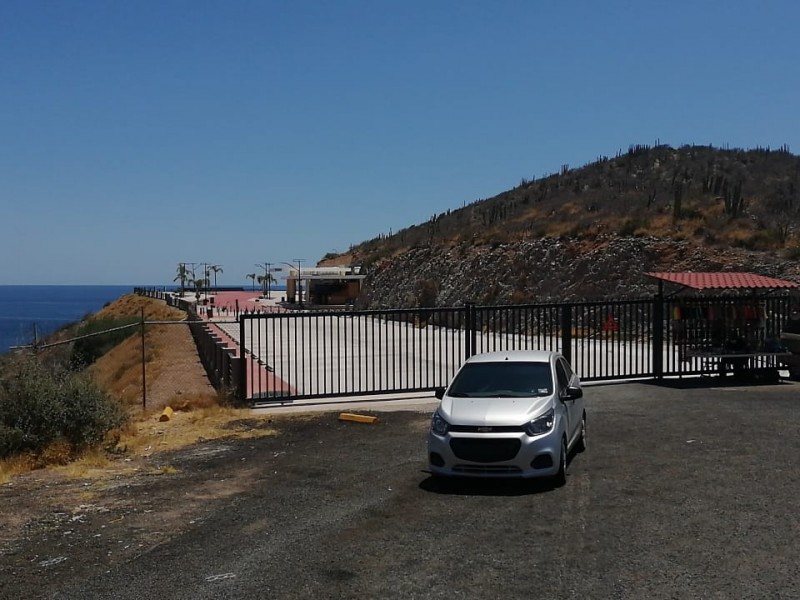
(324, 286)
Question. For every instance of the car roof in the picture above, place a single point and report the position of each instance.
(543, 356)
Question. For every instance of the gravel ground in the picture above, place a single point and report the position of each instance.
(683, 493)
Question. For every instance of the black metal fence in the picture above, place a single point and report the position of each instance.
(697, 331)
(220, 360)
(318, 354)
(303, 354)
(219, 356)
(315, 354)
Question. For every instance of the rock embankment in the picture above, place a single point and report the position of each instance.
(548, 269)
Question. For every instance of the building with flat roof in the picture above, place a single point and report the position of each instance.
(324, 286)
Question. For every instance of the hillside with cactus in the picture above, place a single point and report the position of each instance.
(592, 232)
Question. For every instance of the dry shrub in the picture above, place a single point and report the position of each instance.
(94, 458)
(131, 305)
(120, 371)
(60, 452)
(124, 311)
(791, 252)
(192, 402)
(213, 414)
(521, 297)
(15, 465)
(171, 365)
(739, 235)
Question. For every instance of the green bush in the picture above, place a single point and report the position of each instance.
(39, 406)
(86, 351)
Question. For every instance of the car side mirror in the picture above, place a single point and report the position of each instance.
(439, 392)
(573, 392)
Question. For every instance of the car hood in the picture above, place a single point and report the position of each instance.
(493, 411)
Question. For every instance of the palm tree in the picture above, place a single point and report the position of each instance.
(253, 277)
(182, 276)
(199, 284)
(215, 269)
(265, 280)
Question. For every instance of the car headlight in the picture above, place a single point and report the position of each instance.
(543, 424)
(438, 425)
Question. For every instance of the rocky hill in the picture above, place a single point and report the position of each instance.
(593, 232)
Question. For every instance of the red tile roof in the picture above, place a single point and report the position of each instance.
(706, 281)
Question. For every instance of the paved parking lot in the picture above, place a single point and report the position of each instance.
(684, 492)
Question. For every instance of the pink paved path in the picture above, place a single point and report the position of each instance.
(260, 380)
(225, 304)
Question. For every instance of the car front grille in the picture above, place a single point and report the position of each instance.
(485, 450)
(488, 428)
(488, 469)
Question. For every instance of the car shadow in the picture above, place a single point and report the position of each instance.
(468, 486)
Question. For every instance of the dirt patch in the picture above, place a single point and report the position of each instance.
(161, 482)
(153, 482)
(174, 374)
(683, 493)
(132, 305)
(180, 380)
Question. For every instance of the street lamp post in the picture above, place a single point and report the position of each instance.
(206, 279)
(299, 288)
(267, 277)
(182, 276)
(194, 280)
(299, 262)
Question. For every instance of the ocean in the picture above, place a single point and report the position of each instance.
(48, 307)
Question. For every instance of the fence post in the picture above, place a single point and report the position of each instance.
(566, 332)
(471, 341)
(242, 362)
(144, 368)
(658, 337)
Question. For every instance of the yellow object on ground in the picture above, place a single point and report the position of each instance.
(166, 415)
(357, 418)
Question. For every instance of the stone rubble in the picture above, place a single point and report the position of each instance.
(549, 270)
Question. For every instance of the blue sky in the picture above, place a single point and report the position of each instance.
(136, 135)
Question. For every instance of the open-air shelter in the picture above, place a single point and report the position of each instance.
(729, 319)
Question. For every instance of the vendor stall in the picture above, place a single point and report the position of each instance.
(727, 322)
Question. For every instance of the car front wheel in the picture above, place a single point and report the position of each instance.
(561, 477)
(581, 445)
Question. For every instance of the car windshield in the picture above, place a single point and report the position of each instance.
(502, 379)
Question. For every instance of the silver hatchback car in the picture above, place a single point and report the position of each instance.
(508, 414)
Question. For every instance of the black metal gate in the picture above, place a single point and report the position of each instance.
(333, 353)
